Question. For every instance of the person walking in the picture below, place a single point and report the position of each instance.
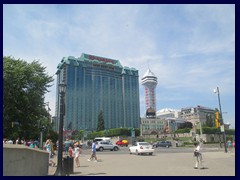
(229, 145)
(93, 154)
(77, 152)
(48, 146)
(32, 145)
(66, 146)
(198, 156)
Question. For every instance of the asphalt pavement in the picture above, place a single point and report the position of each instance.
(161, 163)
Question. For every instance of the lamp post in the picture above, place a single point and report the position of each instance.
(59, 171)
(200, 125)
(221, 122)
(132, 135)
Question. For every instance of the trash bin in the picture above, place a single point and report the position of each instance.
(68, 165)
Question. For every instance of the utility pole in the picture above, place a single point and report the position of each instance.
(221, 118)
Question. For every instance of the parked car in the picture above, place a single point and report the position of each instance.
(106, 145)
(162, 144)
(102, 139)
(122, 143)
(141, 148)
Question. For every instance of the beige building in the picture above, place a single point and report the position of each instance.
(164, 121)
(197, 114)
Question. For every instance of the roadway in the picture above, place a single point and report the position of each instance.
(173, 161)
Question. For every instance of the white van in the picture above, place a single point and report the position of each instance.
(102, 139)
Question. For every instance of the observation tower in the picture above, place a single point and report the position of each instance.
(149, 81)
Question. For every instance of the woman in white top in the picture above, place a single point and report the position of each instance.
(77, 152)
(198, 156)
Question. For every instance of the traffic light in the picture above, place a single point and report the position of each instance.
(217, 123)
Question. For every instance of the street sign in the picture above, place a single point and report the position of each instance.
(222, 128)
(133, 133)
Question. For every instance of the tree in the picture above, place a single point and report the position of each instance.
(24, 86)
(209, 121)
(100, 126)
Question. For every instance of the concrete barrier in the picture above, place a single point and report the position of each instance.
(20, 160)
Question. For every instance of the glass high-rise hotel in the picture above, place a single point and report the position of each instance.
(97, 84)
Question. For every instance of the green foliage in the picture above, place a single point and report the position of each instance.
(213, 130)
(113, 132)
(100, 125)
(183, 138)
(24, 86)
(188, 143)
(230, 131)
(185, 130)
(53, 135)
(210, 130)
(209, 121)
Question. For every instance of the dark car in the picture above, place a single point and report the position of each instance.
(162, 144)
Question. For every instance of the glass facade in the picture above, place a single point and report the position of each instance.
(97, 84)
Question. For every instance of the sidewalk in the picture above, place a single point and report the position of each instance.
(165, 164)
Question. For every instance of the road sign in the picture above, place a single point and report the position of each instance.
(133, 133)
(222, 128)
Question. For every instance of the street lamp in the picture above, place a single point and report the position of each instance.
(62, 91)
(132, 135)
(200, 125)
(221, 122)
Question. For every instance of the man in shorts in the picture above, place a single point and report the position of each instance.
(93, 154)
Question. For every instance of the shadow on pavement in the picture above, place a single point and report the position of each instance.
(95, 173)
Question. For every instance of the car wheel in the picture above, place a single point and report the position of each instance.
(130, 151)
(101, 149)
(150, 153)
(115, 148)
(167, 146)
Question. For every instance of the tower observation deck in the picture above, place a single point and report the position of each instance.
(149, 81)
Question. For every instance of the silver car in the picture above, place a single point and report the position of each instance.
(106, 145)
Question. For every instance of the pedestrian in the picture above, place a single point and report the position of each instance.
(70, 151)
(93, 153)
(66, 146)
(77, 152)
(10, 141)
(48, 146)
(32, 145)
(198, 156)
(18, 141)
(5, 141)
(229, 145)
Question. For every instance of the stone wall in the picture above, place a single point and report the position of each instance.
(20, 160)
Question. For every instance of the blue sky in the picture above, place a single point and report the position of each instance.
(190, 48)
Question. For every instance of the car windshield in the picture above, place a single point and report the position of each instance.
(144, 144)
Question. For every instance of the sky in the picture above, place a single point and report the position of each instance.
(189, 47)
